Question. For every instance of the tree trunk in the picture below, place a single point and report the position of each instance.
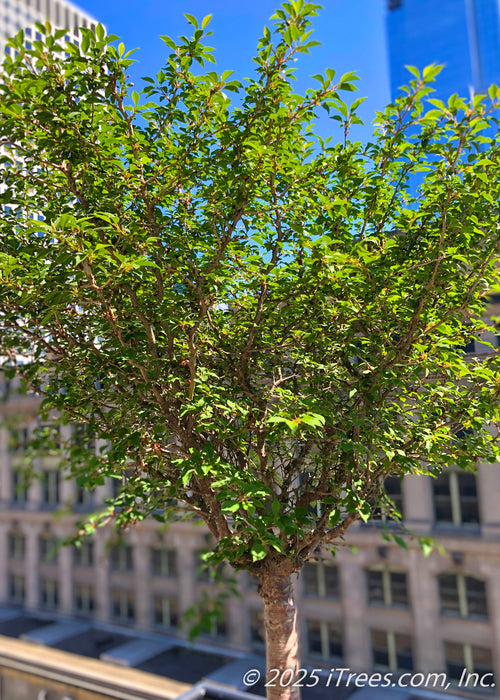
(280, 623)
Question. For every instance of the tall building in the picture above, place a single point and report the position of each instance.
(23, 14)
(381, 608)
(464, 35)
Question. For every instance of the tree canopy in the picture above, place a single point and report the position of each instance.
(261, 324)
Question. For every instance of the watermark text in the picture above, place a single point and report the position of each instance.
(337, 677)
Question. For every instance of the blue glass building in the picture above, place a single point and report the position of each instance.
(464, 35)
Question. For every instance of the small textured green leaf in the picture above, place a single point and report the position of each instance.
(192, 20)
(258, 551)
(414, 71)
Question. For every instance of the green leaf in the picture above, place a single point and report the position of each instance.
(427, 547)
(313, 419)
(258, 551)
(494, 92)
(364, 509)
(334, 518)
(230, 507)
(100, 31)
(192, 20)
(400, 541)
(414, 71)
(430, 72)
(169, 42)
(348, 77)
(357, 103)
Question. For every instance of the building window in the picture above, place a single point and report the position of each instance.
(116, 487)
(16, 589)
(119, 484)
(321, 579)
(217, 625)
(257, 631)
(49, 593)
(392, 651)
(165, 611)
(51, 482)
(84, 598)
(18, 440)
(464, 659)
(324, 639)
(17, 545)
(47, 549)
(19, 487)
(50, 435)
(84, 498)
(392, 505)
(393, 489)
(84, 437)
(83, 554)
(122, 605)
(469, 347)
(204, 573)
(164, 562)
(463, 595)
(455, 498)
(121, 558)
(385, 587)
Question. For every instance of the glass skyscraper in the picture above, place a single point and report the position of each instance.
(22, 14)
(464, 35)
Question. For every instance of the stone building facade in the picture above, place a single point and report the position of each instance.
(379, 608)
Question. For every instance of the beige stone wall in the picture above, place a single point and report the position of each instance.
(478, 549)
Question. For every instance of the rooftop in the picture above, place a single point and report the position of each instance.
(41, 649)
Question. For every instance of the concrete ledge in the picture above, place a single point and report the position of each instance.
(136, 651)
(232, 674)
(214, 691)
(55, 633)
(86, 674)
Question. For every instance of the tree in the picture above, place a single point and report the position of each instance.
(261, 324)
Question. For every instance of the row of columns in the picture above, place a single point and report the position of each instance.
(423, 621)
(417, 496)
(419, 502)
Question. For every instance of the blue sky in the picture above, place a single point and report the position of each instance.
(352, 34)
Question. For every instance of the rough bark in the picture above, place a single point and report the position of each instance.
(280, 623)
